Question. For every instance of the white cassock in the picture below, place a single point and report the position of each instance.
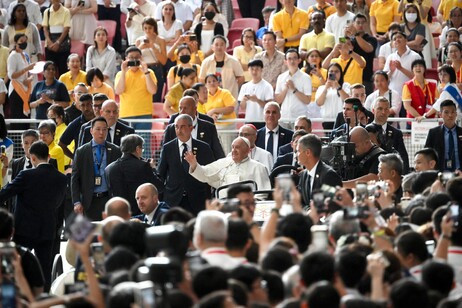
(225, 171)
(262, 156)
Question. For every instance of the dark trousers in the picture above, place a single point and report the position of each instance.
(16, 111)
(252, 8)
(112, 13)
(158, 70)
(186, 204)
(59, 58)
(95, 211)
(43, 252)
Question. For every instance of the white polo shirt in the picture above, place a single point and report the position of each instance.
(263, 90)
(398, 78)
(292, 106)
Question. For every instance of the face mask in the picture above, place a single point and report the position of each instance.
(185, 59)
(209, 15)
(411, 17)
(23, 46)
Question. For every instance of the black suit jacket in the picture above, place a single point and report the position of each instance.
(206, 132)
(285, 159)
(284, 137)
(161, 209)
(285, 149)
(201, 116)
(396, 137)
(17, 165)
(121, 130)
(178, 181)
(324, 175)
(435, 139)
(341, 119)
(40, 191)
(126, 174)
(83, 173)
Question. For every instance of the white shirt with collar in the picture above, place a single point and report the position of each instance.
(194, 131)
(274, 150)
(26, 162)
(292, 106)
(150, 216)
(398, 78)
(180, 146)
(312, 174)
(111, 132)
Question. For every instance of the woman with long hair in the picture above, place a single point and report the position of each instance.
(102, 55)
(247, 51)
(153, 49)
(314, 69)
(455, 60)
(21, 83)
(48, 92)
(170, 28)
(19, 23)
(172, 99)
(208, 28)
(331, 95)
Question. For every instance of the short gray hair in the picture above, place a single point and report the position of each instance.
(311, 142)
(186, 117)
(48, 124)
(130, 142)
(393, 161)
(212, 225)
(339, 226)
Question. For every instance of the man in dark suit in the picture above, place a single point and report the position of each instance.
(301, 122)
(351, 108)
(317, 173)
(127, 173)
(365, 117)
(390, 138)
(202, 130)
(73, 129)
(273, 136)
(182, 189)
(152, 210)
(89, 186)
(117, 129)
(291, 158)
(40, 191)
(447, 139)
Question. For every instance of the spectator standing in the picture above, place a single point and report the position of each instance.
(96, 84)
(247, 50)
(185, 61)
(83, 20)
(169, 27)
(110, 10)
(293, 90)
(227, 68)
(172, 98)
(137, 11)
(56, 26)
(336, 22)
(101, 55)
(20, 22)
(208, 28)
(183, 13)
(382, 14)
(289, 25)
(74, 76)
(315, 70)
(318, 38)
(33, 10)
(273, 60)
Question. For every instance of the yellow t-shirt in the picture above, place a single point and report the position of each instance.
(222, 98)
(136, 99)
(57, 153)
(446, 6)
(104, 89)
(4, 53)
(384, 13)
(174, 95)
(70, 84)
(199, 53)
(354, 74)
(290, 25)
(316, 81)
(245, 57)
(171, 72)
(58, 133)
(201, 108)
(320, 41)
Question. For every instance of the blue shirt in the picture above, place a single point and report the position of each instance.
(56, 91)
(72, 131)
(454, 156)
(99, 164)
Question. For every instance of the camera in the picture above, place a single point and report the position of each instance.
(340, 156)
(231, 205)
(134, 63)
(342, 40)
(361, 193)
(374, 189)
(331, 76)
(170, 239)
(144, 294)
(98, 255)
(81, 3)
(358, 212)
(2, 150)
(7, 252)
(192, 37)
(454, 209)
(444, 177)
(285, 184)
(79, 227)
(319, 235)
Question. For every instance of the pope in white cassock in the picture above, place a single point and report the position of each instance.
(249, 131)
(235, 168)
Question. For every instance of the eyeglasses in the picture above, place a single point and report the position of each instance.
(97, 106)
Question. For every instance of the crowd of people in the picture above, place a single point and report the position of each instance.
(288, 212)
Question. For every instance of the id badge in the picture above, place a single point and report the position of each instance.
(98, 180)
(449, 164)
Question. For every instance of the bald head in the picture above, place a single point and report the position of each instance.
(117, 206)
(362, 140)
(147, 198)
(188, 105)
(110, 111)
(360, 133)
(250, 132)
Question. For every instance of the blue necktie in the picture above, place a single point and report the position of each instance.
(451, 150)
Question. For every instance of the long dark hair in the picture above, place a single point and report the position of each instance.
(13, 15)
(340, 80)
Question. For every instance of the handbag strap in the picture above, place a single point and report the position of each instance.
(347, 66)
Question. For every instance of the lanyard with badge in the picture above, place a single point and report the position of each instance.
(99, 156)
